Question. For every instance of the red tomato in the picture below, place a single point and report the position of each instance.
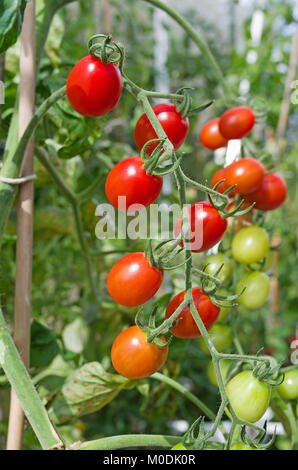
(247, 173)
(93, 88)
(237, 122)
(210, 136)
(270, 194)
(132, 280)
(133, 357)
(174, 125)
(187, 327)
(218, 176)
(206, 226)
(129, 179)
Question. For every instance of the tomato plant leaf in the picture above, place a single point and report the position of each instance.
(89, 389)
(44, 346)
(11, 19)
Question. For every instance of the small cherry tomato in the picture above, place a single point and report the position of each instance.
(207, 226)
(210, 136)
(221, 337)
(93, 88)
(133, 357)
(257, 288)
(237, 122)
(248, 396)
(224, 366)
(214, 262)
(129, 179)
(175, 126)
(250, 244)
(288, 389)
(271, 194)
(246, 173)
(187, 327)
(132, 280)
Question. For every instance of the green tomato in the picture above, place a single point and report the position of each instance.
(248, 396)
(257, 288)
(224, 311)
(267, 263)
(297, 411)
(288, 389)
(241, 446)
(179, 446)
(214, 262)
(224, 366)
(250, 244)
(221, 336)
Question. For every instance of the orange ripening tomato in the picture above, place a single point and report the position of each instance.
(210, 137)
(237, 122)
(247, 173)
(133, 357)
(186, 327)
(132, 280)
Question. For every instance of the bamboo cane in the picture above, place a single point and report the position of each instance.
(25, 222)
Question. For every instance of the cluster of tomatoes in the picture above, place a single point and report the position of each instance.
(93, 89)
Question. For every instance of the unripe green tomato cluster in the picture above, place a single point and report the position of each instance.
(221, 337)
(257, 288)
(250, 244)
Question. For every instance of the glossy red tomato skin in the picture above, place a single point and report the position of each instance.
(93, 88)
(187, 328)
(128, 178)
(271, 194)
(175, 126)
(219, 175)
(237, 122)
(133, 357)
(204, 220)
(132, 280)
(210, 137)
(247, 173)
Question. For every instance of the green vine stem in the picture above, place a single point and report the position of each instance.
(12, 163)
(199, 41)
(129, 440)
(286, 415)
(20, 380)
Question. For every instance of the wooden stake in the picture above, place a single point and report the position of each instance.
(25, 222)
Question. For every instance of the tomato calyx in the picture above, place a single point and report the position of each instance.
(220, 206)
(159, 154)
(257, 442)
(268, 371)
(153, 332)
(163, 254)
(102, 47)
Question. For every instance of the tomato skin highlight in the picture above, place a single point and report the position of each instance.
(187, 328)
(237, 122)
(257, 288)
(271, 194)
(128, 178)
(93, 88)
(247, 173)
(132, 280)
(210, 137)
(133, 357)
(250, 244)
(288, 389)
(248, 396)
(207, 226)
(175, 126)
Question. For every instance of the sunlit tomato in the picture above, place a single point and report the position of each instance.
(132, 280)
(288, 389)
(214, 262)
(133, 357)
(242, 446)
(240, 221)
(186, 327)
(250, 244)
(93, 88)
(129, 180)
(221, 337)
(257, 288)
(224, 366)
(246, 173)
(174, 125)
(248, 396)
(210, 136)
(270, 194)
(207, 226)
(237, 122)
